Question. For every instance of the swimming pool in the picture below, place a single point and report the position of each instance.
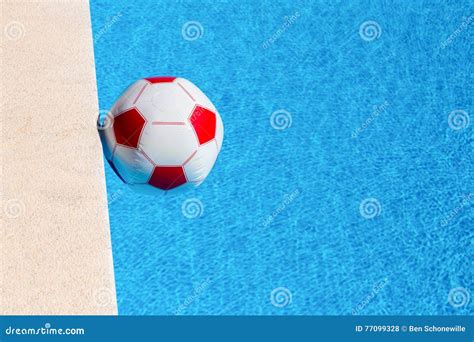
(345, 180)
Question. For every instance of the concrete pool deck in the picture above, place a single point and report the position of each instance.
(56, 255)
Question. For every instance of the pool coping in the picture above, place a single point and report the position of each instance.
(55, 248)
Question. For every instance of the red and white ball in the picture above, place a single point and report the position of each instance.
(161, 133)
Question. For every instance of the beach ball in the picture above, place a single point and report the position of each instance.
(162, 133)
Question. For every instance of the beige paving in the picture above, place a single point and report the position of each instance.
(56, 255)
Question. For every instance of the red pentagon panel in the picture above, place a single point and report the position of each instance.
(167, 177)
(128, 126)
(160, 79)
(204, 123)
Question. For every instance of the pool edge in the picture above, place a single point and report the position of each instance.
(56, 245)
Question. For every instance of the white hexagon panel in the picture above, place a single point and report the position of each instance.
(132, 164)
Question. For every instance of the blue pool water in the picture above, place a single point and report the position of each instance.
(356, 197)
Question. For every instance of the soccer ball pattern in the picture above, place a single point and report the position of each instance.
(161, 133)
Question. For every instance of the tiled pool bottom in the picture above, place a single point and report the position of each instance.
(341, 166)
